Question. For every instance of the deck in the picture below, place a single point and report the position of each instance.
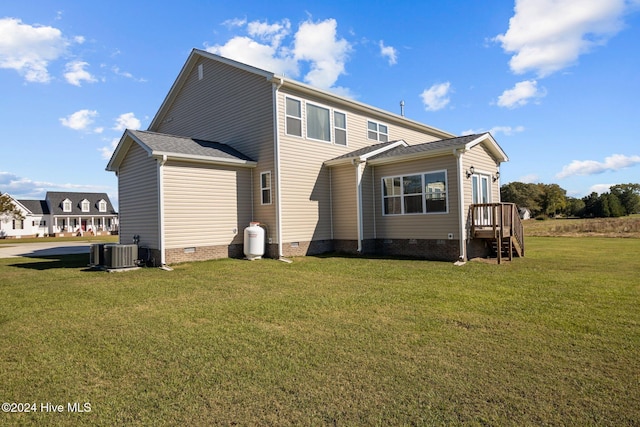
(500, 224)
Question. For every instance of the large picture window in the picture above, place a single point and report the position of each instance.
(421, 193)
(318, 123)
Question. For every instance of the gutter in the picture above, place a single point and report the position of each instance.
(359, 170)
(161, 162)
(462, 227)
(277, 82)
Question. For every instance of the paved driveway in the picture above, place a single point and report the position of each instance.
(43, 249)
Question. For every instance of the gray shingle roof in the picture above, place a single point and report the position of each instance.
(37, 207)
(363, 151)
(427, 146)
(183, 146)
(55, 199)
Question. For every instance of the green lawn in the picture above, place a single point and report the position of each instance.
(550, 339)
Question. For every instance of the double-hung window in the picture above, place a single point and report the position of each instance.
(415, 194)
(318, 123)
(85, 205)
(377, 131)
(265, 188)
(102, 206)
(66, 205)
(294, 117)
(340, 128)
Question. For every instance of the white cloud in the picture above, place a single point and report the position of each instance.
(108, 150)
(521, 94)
(436, 97)
(127, 121)
(531, 178)
(315, 45)
(318, 44)
(117, 71)
(76, 73)
(80, 120)
(389, 52)
(506, 130)
(592, 167)
(546, 36)
(29, 49)
(25, 188)
(600, 188)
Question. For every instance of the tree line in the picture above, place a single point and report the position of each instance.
(552, 200)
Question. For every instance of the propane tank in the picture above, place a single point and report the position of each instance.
(253, 241)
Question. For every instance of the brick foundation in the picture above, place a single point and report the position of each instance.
(202, 253)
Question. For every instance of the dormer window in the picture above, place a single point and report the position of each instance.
(66, 205)
(102, 205)
(85, 205)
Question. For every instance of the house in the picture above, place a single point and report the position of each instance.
(62, 214)
(232, 144)
(525, 213)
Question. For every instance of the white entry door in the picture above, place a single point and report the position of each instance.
(480, 191)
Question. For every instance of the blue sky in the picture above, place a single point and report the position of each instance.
(557, 82)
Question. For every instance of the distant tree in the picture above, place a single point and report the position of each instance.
(8, 209)
(575, 207)
(611, 206)
(523, 195)
(629, 197)
(591, 205)
(554, 199)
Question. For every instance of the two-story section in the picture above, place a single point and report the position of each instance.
(233, 144)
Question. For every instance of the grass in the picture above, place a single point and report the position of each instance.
(550, 339)
(628, 226)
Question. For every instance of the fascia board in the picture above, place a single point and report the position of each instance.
(491, 144)
(123, 146)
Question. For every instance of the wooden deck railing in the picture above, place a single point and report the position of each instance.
(498, 222)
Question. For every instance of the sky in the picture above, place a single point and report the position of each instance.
(556, 82)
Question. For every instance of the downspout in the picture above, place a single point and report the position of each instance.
(276, 161)
(161, 162)
(358, 164)
(461, 208)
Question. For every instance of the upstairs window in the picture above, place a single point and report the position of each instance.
(377, 131)
(318, 123)
(294, 117)
(340, 127)
(102, 206)
(66, 205)
(85, 205)
(265, 187)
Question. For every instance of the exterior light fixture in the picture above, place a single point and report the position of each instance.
(496, 176)
(470, 172)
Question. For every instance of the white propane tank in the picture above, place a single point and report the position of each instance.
(253, 241)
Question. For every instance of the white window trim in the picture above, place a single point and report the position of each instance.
(286, 116)
(378, 133)
(102, 205)
(304, 117)
(324, 107)
(262, 189)
(85, 206)
(334, 128)
(65, 203)
(423, 193)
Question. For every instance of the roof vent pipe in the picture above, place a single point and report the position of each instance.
(402, 108)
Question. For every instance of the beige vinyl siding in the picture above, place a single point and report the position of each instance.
(418, 226)
(205, 205)
(344, 196)
(305, 181)
(138, 198)
(233, 107)
(483, 163)
(369, 201)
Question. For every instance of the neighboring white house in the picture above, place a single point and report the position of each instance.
(62, 213)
